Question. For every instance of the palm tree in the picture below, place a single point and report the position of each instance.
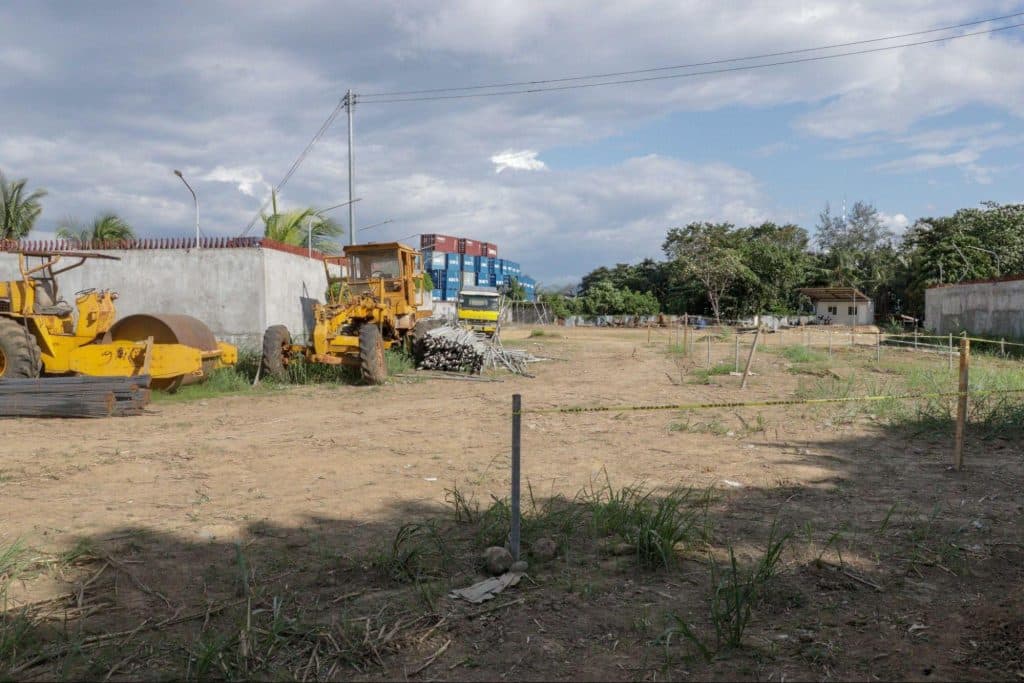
(18, 212)
(295, 227)
(106, 227)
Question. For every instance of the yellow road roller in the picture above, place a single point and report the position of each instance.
(41, 333)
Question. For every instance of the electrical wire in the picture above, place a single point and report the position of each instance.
(692, 74)
(615, 74)
(298, 161)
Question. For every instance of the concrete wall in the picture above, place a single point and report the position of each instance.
(991, 308)
(236, 292)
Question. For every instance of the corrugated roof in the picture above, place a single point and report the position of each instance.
(834, 294)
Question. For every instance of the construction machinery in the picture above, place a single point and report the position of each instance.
(41, 333)
(378, 305)
(479, 308)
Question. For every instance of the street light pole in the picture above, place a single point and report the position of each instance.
(377, 225)
(195, 200)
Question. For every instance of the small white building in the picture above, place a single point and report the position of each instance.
(841, 305)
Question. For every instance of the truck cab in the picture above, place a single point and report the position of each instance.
(479, 309)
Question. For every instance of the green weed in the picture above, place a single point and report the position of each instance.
(704, 374)
(802, 354)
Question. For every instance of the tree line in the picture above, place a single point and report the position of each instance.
(727, 271)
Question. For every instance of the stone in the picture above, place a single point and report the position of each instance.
(544, 549)
(497, 560)
(520, 567)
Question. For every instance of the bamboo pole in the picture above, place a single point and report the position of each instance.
(750, 358)
(961, 404)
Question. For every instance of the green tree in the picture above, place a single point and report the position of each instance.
(106, 227)
(18, 211)
(514, 291)
(708, 253)
(295, 227)
(779, 264)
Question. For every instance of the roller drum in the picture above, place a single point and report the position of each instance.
(167, 328)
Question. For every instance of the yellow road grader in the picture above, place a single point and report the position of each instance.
(371, 310)
(41, 333)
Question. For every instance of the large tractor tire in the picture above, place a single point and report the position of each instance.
(19, 353)
(373, 368)
(276, 340)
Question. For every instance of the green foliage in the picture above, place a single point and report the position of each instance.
(709, 253)
(802, 354)
(106, 227)
(293, 227)
(423, 283)
(604, 298)
(18, 210)
(514, 290)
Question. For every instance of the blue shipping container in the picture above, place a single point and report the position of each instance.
(453, 261)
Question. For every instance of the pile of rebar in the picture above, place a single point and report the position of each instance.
(73, 396)
(455, 349)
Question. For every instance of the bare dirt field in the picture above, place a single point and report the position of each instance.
(313, 532)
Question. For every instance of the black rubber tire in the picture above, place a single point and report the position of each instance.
(274, 364)
(19, 353)
(418, 334)
(373, 368)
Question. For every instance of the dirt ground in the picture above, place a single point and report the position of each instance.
(155, 542)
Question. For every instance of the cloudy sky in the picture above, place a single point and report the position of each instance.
(100, 101)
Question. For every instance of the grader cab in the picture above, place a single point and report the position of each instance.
(41, 333)
(371, 310)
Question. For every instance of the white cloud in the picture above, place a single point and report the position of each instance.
(244, 177)
(523, 160)
(897, 222)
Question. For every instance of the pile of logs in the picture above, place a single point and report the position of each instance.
(73, 396)
(455, 349)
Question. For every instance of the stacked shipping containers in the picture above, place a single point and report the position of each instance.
(457, 262)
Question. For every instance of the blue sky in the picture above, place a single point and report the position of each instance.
(103, 100)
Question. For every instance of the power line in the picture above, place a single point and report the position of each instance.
(691, 74)
(298, 161)
(728, 60)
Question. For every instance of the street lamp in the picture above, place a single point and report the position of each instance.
(194, 199)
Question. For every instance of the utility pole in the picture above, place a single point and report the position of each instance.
(350, 102)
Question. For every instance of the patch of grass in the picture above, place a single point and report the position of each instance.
(540, 333)
(802, 354)
(705, 374)
(653, 526)
(678, 349)
(419, 551)
(735, 592)
(687, 424)
(398, 361)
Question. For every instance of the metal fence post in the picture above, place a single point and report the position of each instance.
(517, 416)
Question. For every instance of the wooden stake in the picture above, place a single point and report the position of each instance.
(750, 358)
(648, 334)
(708, 337)
(830, 342)
(949, 357)
(878, 347)
(736, 361)
(1002, 348)
(961, 404)
(915, 339)
(686, 339)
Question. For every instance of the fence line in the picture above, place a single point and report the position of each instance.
(761, 404)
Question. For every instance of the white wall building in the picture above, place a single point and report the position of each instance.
(841, 305)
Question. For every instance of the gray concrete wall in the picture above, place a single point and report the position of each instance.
(990, 308)
(236, 292)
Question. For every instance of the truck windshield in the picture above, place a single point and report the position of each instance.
(374, 264)
(479, 303)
